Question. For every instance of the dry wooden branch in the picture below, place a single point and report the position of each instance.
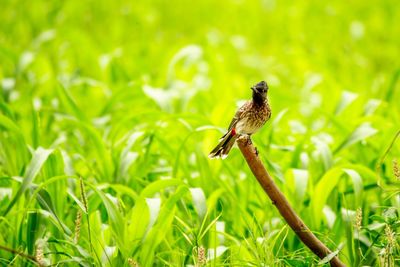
(278, 199)
(20, 253)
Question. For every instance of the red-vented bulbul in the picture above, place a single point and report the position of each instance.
(248, 119)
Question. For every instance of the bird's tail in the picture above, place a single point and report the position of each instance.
(224, 146)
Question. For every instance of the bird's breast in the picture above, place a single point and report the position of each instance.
(253, 118)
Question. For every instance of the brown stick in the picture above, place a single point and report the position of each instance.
(278, 199)
(14, 251)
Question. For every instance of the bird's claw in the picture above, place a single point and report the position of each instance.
(256, 151)
(248, 141)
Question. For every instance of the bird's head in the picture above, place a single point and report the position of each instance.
(260, 91)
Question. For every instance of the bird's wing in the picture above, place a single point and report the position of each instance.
(236, 118)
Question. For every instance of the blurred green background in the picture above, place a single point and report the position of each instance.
(131, 97)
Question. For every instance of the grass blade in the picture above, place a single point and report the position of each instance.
(40, 156)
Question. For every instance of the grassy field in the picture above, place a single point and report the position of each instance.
(108, 110)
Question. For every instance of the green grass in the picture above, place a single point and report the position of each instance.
(125, 100)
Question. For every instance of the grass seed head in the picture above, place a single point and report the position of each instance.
(396, 169)
(78, 221)
(39, 256)
(132, 263)
(201, 256)
(83, 194)
(390, 238)
(382, 257)
(358, 220)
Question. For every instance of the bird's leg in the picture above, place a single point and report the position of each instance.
(243, 138)
(248, 142)
(246, 138)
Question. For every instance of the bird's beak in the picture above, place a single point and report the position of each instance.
(253, 88)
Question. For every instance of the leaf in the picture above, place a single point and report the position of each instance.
(199, 201)
(392, 87)
(76, 199)
(213, 199)
(362, 132)
(190, 54)
(45, 202)
(102, 153)
(127, 157)
(329, 257)
(183, 144)
(162, 97)
(16, 132)
(44, 37)
(322, 191)
(35, 128)
(7, 84)
(346, 99)
(301, 181)
(330, 216)
(31, 230)
(139, 221)
(115, 219)
(154, 208)
(348, 217)
(330, 180)
(67, 100)
(203, 232)
(160, 229)
(25, 60)
(277, 119)
(324, 151)
(215, 253)
(371, 106)
(126, 161)
(157, 186)
(97, 227)
(390, 215)
(357, 185)
(124, 190)
(9, 125)
(40, 156)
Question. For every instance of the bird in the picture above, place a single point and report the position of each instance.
(249, 118)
